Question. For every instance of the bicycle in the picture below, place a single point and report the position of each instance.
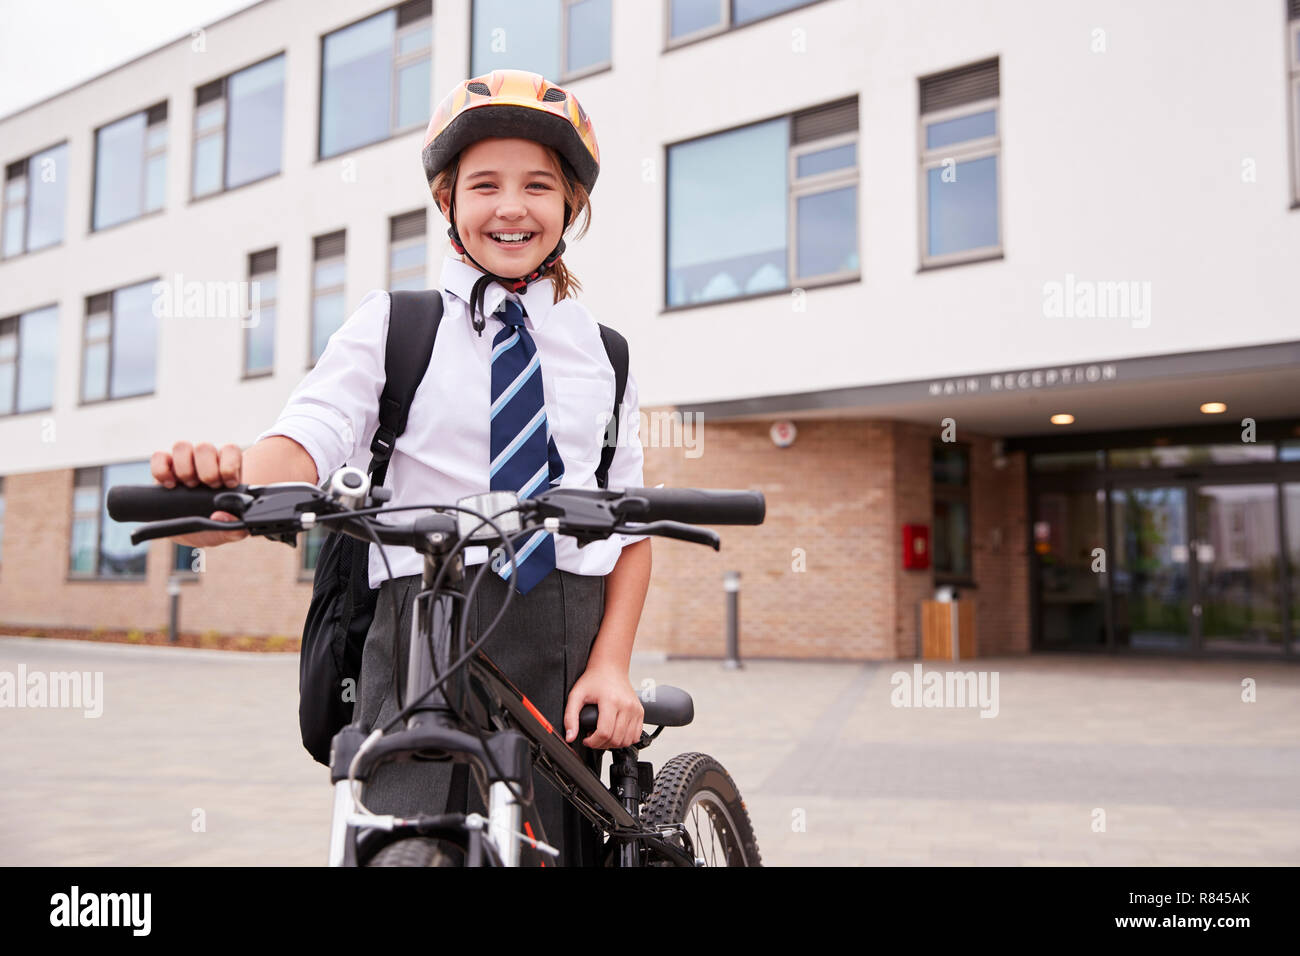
(689, 814)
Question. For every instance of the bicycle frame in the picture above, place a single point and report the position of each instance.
(527, 740)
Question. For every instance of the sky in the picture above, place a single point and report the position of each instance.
(47, 46)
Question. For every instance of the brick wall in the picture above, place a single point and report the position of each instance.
(820, 578)
(249, 587)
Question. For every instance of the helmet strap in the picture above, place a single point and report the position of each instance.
(516, 285)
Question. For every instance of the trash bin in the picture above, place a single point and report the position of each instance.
(947, 626)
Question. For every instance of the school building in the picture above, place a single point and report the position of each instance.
(994, 298)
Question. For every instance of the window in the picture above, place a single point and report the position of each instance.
(238, 127)
(950, 468)
(959, 146)
(375, 77)
(259, 330)
(2, 519)
(751, 208)
(34, 200)
(28, 344)
(327, 291)
(693, 19)
(130, 167)
(185, 559)
(119, 344)
(310, 543)
(560, 39)
(1293, 58)
(406, 252)
(101, 547)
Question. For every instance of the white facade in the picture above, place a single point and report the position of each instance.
(1163, 159)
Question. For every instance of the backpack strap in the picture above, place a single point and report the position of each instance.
(616, 349)
(413, 319)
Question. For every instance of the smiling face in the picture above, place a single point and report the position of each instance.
(506, 188)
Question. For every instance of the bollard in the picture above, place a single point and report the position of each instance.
(173, 622)
(731, 585)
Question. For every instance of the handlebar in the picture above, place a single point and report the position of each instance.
(346, 503)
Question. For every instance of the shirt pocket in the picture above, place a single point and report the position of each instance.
(581, 407)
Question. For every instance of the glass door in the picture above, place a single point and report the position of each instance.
(1151, 578)
(1237, 555)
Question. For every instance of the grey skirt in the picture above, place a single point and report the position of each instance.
(541, 644)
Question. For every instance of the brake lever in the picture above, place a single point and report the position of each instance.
(674, 529)
(170, 527)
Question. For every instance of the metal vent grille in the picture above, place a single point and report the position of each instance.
(260, 263)
(415, 10)
(96, 304)
(554, 96)
(16, 169)
(823, 121)
(1293, 9)
(979, 81)
(157, 114)
(479, 88)
(406, 226)
(209, 92)
(327, 247)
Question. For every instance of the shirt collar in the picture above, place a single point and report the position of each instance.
(458, 278)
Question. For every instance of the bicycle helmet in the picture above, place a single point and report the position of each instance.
(510, 104)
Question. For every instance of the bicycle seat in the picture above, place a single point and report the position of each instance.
(671, 707)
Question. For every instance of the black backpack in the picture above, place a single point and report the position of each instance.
(342, 601)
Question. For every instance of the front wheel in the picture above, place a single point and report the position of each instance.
(418, 851)
(695, 791)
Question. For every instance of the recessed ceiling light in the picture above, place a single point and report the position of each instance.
(1063, 418)
(1214, 408)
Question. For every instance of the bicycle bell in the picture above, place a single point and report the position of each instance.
(349, 486)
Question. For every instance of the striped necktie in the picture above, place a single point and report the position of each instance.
(524, 457)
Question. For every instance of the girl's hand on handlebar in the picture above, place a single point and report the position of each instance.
(621, 714)
(202, 464)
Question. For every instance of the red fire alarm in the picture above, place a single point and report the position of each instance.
(916, 547)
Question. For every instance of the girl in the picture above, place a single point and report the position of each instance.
(510, 160)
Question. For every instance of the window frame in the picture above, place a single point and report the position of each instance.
(397, 245)
(2, 521)
(799, 188)
(108, 339)
(809, 185)
(402, 60)
(245, 374)
(305, 573)
(97, 574)
(145, 155)
(393, 131)
(222, 128)
(5, 205)
(567, 75)
(1293, 81)
(17, 319)
(960, 152)
(316, 293)
(953, 493)
(727, 23)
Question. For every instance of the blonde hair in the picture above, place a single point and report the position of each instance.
(575, 194)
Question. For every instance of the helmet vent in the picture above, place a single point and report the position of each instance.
(553, 95)
(480, 88)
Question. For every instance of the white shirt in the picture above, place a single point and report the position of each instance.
(444, 453)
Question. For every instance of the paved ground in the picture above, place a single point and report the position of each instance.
(196, 761)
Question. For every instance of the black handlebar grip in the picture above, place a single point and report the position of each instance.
(695, 506)
(156, 503)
